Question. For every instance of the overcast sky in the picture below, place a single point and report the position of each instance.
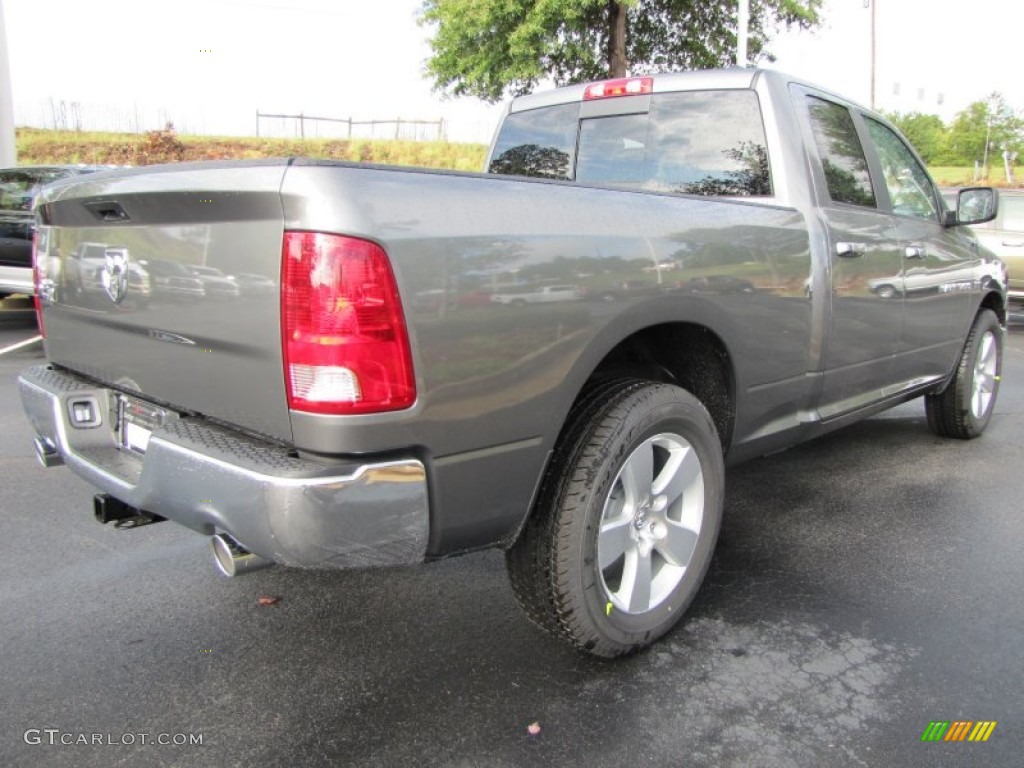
(210, 64)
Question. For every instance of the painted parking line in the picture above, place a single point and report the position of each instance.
(20, 344)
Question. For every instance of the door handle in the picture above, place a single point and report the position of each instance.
(850, 250)
(1013, 243)
(915, 252)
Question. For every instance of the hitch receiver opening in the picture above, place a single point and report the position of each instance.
(107, 509)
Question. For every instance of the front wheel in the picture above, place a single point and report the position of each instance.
(964, 408)
(626, 520)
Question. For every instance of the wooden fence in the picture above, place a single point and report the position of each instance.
(415, 130)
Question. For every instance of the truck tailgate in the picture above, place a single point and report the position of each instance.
(167, 284)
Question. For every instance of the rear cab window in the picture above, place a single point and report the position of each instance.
(688, 142)
(540, 143)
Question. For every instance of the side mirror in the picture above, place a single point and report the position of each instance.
(976, 205)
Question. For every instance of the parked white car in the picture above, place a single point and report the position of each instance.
(547, 293)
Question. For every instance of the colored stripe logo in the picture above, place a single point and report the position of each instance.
(958, 730)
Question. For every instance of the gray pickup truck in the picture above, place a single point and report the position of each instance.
(744, 223)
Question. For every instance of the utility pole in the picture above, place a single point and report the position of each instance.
(874, 6)
(742, 33)
(988, 140)
(8, 151)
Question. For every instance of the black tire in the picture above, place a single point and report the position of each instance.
(964, 408)
(622, 433)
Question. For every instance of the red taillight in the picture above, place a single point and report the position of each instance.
(38, 273)
(626, 86)
(346, 348)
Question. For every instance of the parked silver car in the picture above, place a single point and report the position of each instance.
(1004, 236)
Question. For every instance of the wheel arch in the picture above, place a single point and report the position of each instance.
(993, 300)
(687, 353)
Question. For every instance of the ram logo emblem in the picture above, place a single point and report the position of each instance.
(115, 273)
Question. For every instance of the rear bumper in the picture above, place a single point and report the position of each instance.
(211, 479)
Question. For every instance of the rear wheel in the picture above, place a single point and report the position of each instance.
(626, 520)
(964, 408)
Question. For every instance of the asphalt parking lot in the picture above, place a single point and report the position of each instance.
(864, 585)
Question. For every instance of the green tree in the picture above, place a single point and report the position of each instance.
(989, 120)
(490, 48)
(926, 132)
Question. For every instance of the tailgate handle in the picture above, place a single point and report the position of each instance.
(107, 210)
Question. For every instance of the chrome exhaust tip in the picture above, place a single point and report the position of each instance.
(232, 559)
(47, 452)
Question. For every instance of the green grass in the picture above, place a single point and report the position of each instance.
(38, 146)
(947, 176)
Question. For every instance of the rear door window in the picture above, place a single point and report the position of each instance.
(842, 155)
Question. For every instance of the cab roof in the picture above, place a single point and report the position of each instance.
(735, 78)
